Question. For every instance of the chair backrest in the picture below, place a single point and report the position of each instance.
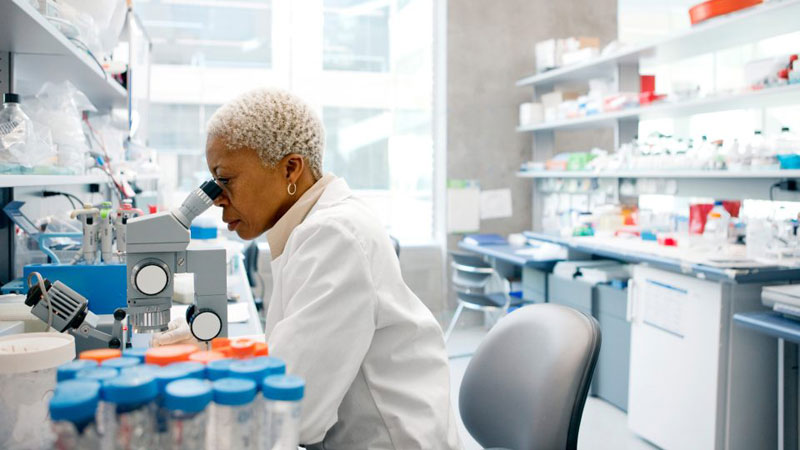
(527, 382)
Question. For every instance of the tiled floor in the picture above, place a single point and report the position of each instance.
(603, 426)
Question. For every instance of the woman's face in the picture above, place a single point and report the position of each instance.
(253, 196)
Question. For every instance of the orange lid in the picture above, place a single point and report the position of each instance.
(169, 354)
(206, 356)
(220, 342)
(243, 348)
(100, 354)
(261, 349)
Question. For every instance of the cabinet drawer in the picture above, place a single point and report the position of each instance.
(570, 292)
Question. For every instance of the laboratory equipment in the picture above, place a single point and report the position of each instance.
(282, 412)
(168, 354)
(73, 411)
(132, 397)
(158, 248)
(257, 369)
(187, 402)
(89, 217)
(135, 352)
(120, 363)
(716, 382)
(193, 369)
(68, 370)
(232, 415)
(28, 366)
(15, 131)
(164, 376)
(106, 232)
(101, 354)
(717, 224)
(219, 369)
(67, 311)
(125, 213)
(784, 299)
(103, 285)
(206, 356)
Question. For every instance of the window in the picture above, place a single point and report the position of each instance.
(365, 65)
(203, 32)
(356, 36)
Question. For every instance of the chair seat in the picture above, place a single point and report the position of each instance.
(496, 300)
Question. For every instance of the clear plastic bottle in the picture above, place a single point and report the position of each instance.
(282, 413)
(233, 423)
(187, 401)
(133, 397)
(164, 376)
(717, 223)
(15, 131)
(72, 411)
(257, 369)
(69, 370)
(105, 410)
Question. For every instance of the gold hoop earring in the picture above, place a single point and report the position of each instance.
(291, 189)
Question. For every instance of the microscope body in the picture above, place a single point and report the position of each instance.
(158, 247)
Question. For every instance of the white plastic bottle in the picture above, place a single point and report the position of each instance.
(187, 402)
(717, 223)
(233, 414)
(72, 411)
(133, 397)
(282, 397)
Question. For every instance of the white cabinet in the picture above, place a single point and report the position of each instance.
(696, 382)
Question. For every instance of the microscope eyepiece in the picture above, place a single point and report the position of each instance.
(211, 188)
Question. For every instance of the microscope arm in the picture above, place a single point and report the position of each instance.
(208, 316)
(114, 340)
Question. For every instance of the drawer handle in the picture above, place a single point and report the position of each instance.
(631, 299)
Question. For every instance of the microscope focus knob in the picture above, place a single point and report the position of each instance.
(151, 278)
(205, 324)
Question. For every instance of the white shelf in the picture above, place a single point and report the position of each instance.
(752, 99)
(701, 174)
(42, 54)
(33, 180)
(750, 25)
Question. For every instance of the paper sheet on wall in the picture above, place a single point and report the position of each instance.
(496, 204)
(463, 206)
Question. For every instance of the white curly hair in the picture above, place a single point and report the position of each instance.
(272, 122)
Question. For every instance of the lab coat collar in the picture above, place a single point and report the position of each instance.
(279, 234)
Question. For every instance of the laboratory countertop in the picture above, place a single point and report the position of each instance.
(770, 323)
(239, 285)
(510, 254)
(729, 266)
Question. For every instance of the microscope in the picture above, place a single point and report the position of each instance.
(158, 248)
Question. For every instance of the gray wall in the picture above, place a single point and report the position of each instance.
(490, 45)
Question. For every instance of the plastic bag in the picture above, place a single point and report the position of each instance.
(60, 106)
(24, 142)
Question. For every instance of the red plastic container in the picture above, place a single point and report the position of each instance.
(713, 8)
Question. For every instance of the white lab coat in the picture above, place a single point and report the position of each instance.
(371, 353)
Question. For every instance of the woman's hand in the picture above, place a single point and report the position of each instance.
(178, 332)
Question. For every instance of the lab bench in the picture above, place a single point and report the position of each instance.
(672, 259)
(787, 332)
(672, 333)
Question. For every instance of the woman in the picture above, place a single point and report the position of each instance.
(340, 315)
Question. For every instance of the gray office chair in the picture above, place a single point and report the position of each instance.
(527, 383)
(478, 287)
